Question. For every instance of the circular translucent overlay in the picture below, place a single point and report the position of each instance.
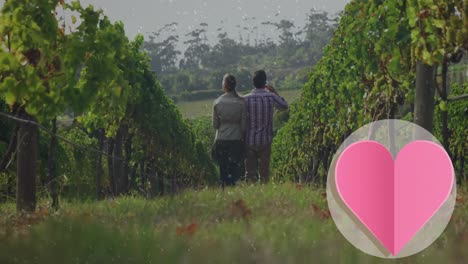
(394, 135)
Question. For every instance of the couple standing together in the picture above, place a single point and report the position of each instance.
(244, 129)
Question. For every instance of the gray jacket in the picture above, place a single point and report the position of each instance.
(229, 117)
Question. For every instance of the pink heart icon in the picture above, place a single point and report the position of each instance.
(394, 199)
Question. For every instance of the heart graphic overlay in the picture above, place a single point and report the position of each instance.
(394, 199)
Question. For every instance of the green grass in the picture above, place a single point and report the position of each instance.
(282, 227)
(201, 108)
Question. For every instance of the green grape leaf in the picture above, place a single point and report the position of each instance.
(443, 106)
(10, 98)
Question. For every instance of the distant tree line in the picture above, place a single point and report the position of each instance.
(202, 64)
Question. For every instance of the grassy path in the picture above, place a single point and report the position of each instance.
(247, 224)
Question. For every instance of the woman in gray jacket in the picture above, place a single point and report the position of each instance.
(229, 120)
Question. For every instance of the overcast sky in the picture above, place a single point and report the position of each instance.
(143, 16)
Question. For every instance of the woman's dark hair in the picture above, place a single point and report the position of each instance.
(231, 83)
(259, 79)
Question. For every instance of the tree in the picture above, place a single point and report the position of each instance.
(224, 54)
(197, 48)
(318, 29)
(181, 82)
(47, 71)
(378, 53)
(287, 39)
(438, 33)
(164, 53)
(30, 37)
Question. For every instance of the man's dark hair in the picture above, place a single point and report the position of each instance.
(259, 79)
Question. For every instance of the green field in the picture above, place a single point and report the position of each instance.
(247, 224)
(194, 109)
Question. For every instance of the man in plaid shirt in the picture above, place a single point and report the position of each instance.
(260, 105)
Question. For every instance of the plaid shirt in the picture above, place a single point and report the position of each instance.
(260, 103)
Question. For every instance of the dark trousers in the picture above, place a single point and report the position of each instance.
(228, 154)
(258, 157)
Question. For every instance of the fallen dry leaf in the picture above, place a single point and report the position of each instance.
(240, 209)
(324, 214)
(187, 230)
